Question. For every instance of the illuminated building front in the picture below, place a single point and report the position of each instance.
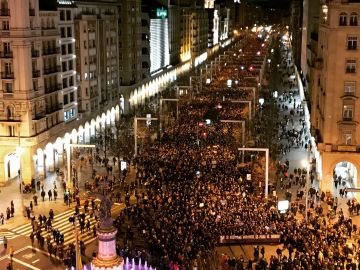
(159, 40)
(334, 83)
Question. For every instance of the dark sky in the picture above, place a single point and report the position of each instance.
(272, 3)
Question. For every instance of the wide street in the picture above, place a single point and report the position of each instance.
(191, 187)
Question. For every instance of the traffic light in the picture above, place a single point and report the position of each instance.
(204, 134)
(200, 124)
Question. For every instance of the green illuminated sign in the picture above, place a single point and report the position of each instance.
(161, 13)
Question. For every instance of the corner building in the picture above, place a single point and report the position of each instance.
(335, 81)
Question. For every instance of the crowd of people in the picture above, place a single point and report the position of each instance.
(195, 190)
(194, 186)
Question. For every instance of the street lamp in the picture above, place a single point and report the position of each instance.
(19, 152)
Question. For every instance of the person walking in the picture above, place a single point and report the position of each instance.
(50, 195)
(43, 195)
(55, 194)
(5, 241)
(12, 208)
(35, 198)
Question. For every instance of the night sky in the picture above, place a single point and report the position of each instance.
(271, 3)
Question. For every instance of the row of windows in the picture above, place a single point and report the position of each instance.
(66, 32)
(343, 19)
(68, 115)
(68, 98)
(65, 15)
(67, 49)
(67, 65)
(68, 82)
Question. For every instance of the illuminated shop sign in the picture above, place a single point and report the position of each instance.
(161, 13)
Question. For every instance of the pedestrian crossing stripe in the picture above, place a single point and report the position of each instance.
(8, 234)
(61, 222)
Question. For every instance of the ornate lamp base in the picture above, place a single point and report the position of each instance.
(107, 258)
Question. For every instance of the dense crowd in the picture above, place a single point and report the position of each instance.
(195, 190)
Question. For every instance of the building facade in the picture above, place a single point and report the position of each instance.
(63, 69)
(134, 59)
(335, 88)
(96, 29)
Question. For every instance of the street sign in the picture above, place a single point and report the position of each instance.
(248, 176)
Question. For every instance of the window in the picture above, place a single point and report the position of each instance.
(66, 99)
(62, 32)
(64, 66)
(350, 66)
(72, 97)
(68, 15)
(353, 19)
(65, 83)
(85, 44)
(342, 19)
(8, 87)
(62, 15)
(69, 114)
(71, 81)
(352, 43)
(348, 113)
(70, 48)
(347, 138)
(5, 25)
(12, 131)
(7, 48)
(8, 68)
(349, 88)
(69, 32)
(71, 64)
(63, 49)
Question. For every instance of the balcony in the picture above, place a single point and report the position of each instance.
(36, 73)
(39, 91)
(49, 32)
(4, 12)
(52, 88)
(6, 54)
(7, 75)
(31, 12)
(352, 47)
(39, 116)
(51, 50)
(51, 70)
(53, 109)
(35, 53)
(10, 120)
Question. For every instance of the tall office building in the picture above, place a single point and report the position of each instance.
(96, 28)
(159, 35)
(335, 113)
(133, 50)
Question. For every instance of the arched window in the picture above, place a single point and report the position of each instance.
(354, 19)
(343, 19)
